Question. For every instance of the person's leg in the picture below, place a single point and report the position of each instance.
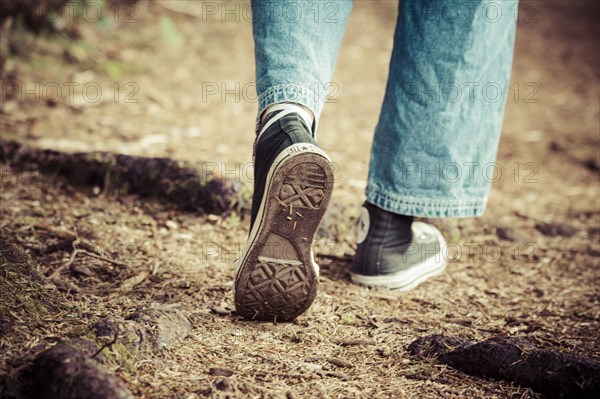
(296, 49)
(435, 144)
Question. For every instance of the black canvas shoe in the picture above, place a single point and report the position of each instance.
(394, 252)
(277, 276)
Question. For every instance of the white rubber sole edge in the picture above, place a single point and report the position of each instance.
(407, 280)
(290, 152)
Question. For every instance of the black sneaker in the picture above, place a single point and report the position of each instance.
(394, 252)
(277, 276)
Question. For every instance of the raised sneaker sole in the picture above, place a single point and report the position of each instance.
(277, 278)
(409, 279)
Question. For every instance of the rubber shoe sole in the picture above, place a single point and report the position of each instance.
(277, 278)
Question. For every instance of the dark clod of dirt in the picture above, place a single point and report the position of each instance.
(65, 372)
(554, 374)
(339, 362)
(555, 147)
(556, 229)
(190, 187)
(592, 164)
(222, 385)
(204, 392)
(220, 371)
(6, 325)
(513, 234)
(435, 345)
(505, 233)
(593, 252)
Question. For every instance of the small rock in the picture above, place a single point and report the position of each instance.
(222, 385)
(312, 367)
(512, 234)
(171, 225)
(341, 376)
(556, 229)
(220, 311)
(220, 371)
(213, 219)
(339, 362)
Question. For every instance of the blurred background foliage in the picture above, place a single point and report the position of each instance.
(46, 16)
(38, 31)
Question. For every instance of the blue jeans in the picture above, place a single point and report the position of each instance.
(435, 144)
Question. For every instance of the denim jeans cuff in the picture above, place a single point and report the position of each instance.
(424, 206)
(289, 93)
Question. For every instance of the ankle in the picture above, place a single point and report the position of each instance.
(396, 225)
(306, 113)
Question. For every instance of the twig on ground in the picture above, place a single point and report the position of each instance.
(354, 342)
(69, 236)
(114, 341)
(56, 273)
(105, 259)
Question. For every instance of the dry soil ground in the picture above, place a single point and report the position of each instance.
(506, 276)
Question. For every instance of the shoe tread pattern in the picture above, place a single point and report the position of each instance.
(280, 291)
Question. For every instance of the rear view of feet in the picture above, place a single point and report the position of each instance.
(394, 252)
(277, 277)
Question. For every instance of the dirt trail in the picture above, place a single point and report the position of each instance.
(529, 267)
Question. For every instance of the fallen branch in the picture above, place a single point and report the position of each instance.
(83, 247)
(189, 186)
(554, 374)
(71, 237)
